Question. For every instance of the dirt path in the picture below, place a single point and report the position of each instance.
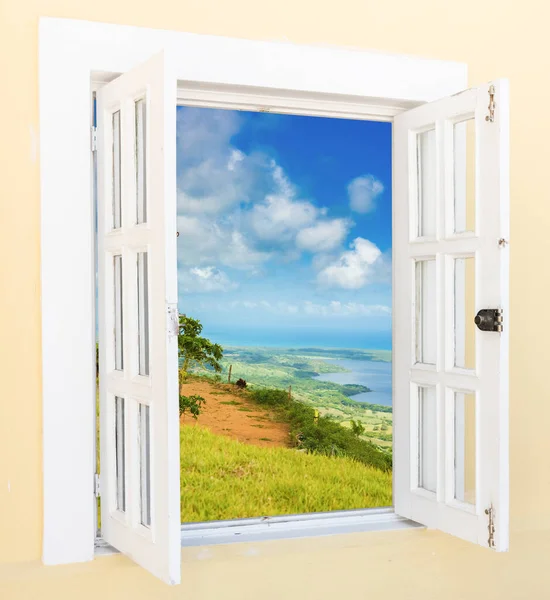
(226, 413)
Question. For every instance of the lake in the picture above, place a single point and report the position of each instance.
(375, 375)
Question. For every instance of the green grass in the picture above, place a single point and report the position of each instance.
(225, 479)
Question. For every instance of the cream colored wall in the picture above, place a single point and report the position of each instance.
(496, 39)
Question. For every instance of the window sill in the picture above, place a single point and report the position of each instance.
(292, 526)
(283, 527)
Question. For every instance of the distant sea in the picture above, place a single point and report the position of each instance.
(374, 374)
(318, 338)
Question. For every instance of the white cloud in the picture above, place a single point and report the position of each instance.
(240, 210)
(235, 158)
(206, 279)
(323, 236)
(213, 175)
(239, 255)
(354, 268)
(337, 308)
(202, 131)
(279, 217)
(203, 241)
(286, 308)
(277, 308)
(363, 192)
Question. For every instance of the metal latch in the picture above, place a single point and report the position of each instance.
(489, 319)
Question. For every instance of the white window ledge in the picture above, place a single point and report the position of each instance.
(292, 526)
(284, 527)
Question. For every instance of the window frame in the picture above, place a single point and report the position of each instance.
(222, 72)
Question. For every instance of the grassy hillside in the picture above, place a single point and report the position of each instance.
(321, 435)
(225, 479)
(280, 368)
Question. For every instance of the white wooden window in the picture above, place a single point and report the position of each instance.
(140, 507)
(450, 250)
(450, 455)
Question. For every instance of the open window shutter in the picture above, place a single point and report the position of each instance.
(450, 245)
(140, 491)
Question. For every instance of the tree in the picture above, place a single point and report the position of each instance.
(194, 349)
(357, 427)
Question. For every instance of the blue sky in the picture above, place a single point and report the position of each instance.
(285, 228)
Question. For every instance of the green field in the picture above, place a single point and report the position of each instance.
(225, 479)
(281, 368)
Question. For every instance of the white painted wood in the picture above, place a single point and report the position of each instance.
(292, 526)
(266, 66)
(73, 55)
(489, 380)
(331, 105)
(149, 368)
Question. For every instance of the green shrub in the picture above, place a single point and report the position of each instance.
(193, 404)
(271, 397)
(324, 436)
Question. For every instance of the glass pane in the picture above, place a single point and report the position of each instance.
(464, 175)
(141, 157)
(426, 182)
(465, 329)
(145, 464)
(143, 312)
(425, 312)
(120, 450)
(465, 447)
(119, 354)
(427, 439)
(117, 211)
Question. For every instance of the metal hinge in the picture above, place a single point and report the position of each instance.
(490, 512)
(491, 116)
(93, 139)
(172, 320)
(97, 486)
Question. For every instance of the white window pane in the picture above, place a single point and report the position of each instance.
(119, 353)
(143, 312)
(117, 209)
(427, 439)
(141, 160)
(145, 464)
(120, 453)
(464, 175)
(426, 183)
(465, 447)
(464, 313)
(425, 337)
